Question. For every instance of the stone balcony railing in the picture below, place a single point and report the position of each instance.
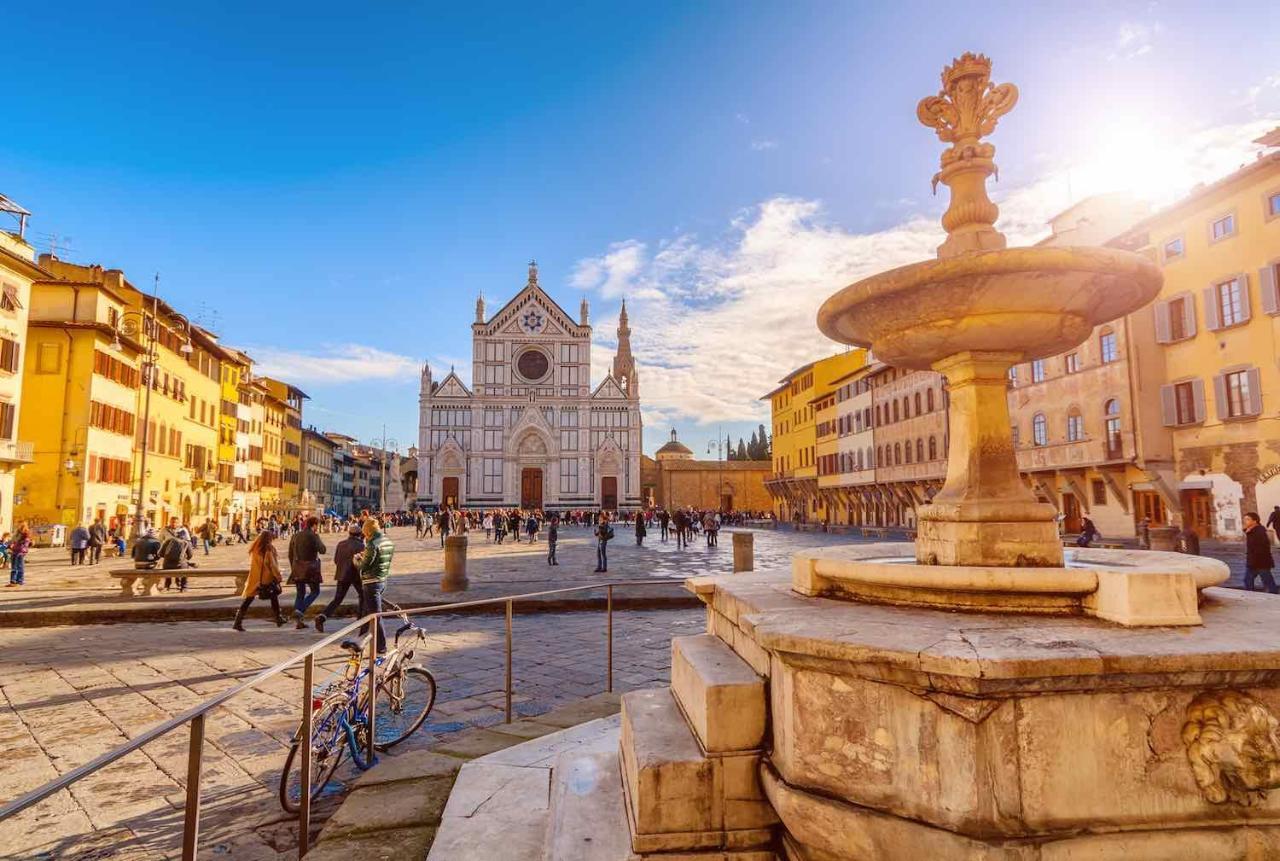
(16, 451)
(1076, 454)
(928, 470)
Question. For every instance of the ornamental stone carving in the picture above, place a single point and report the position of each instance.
(1233, 745)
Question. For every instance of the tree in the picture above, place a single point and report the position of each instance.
(742, 450)
(766, 445)
(753, 447)
(728, 447)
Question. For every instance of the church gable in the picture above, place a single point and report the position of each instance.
(608, 390)
(531, 312)
(451, 387)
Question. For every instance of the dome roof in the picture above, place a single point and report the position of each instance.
(675, 447)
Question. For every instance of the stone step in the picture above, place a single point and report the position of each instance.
(722, 697)
(679, 798)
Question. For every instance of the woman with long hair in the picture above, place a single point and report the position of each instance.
(264, 578)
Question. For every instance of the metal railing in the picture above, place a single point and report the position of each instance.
(196, 715)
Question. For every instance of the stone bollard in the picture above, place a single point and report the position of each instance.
(1164, 538)
(455, 564)
(744, 554)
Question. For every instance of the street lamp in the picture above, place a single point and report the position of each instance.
(718, 445)
(132, 324)
(384, 445)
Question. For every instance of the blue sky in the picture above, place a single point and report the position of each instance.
(330, 185)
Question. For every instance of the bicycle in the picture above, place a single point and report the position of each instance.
(339, 722)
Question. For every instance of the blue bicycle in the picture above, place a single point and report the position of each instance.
(340, 713)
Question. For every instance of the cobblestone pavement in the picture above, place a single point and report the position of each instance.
(70, 694)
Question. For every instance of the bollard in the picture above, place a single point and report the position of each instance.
(1164, 538)
(744, 554)
(455, 564)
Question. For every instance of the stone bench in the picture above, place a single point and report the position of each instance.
(152, 576)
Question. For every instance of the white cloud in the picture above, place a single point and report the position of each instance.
(1134, 40)
(764, 144)
(716, 322)
(339, 363)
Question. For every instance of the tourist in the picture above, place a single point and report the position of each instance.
(499, 527)
(664, 520)
(79, 541)
(175, 554)
(603, 533)
(375, 568)
(1188, 541)
(208, 534)
(1258, 561)
(305, 550)
(553, 535)
(1144, 533)
(641, 532)
(263, 580)
(677, 523)
(146, 550)
(1273, 520)
(18, 549)
(345, 574)
(1088, 533)
(488, 526)
(442, 520)
(418, 523)
(97, 538)
(531, 527)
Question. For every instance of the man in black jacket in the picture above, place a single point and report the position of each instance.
(1273, 520)
(175, 554)
(146, 551)
(345, 573)
(1257, 554)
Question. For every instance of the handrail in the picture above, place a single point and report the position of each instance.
(196, 714)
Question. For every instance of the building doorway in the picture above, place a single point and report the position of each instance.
(449, 491)
(1197, 512)
(609, 493)
(726, 502)
(1148, 504)
(1070, 513)
(530, 488)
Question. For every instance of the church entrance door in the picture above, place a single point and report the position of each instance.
(530, 488)
(449, 491)
(609, 493)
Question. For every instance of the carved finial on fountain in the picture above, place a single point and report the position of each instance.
(964, 112)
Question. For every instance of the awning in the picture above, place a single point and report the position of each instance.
(1194, 484)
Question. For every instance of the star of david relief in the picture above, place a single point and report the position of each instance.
(532, 320)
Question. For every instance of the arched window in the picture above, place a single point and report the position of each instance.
(1112, 411)
(906, 407)
(918, 410)
(1039, 430)
(933, 448)
(929, 399)
(908, 451)
(1075, 425)
(919, 448)
(879, 454)
(1108, 351)
(895, 411)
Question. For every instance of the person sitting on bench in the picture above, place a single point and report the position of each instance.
(175, 554)
(146, 551)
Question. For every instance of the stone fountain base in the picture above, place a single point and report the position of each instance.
(907, 732)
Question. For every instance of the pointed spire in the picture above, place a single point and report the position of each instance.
(584, 312)
(533, 271)
(480, 308)
(622, 317)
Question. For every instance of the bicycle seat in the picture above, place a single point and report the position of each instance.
(352, 646)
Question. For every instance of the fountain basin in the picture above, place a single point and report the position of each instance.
(1135, 588)
(1029, 302)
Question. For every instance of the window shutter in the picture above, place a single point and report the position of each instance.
(1163, 332)
(1211, 309)
(1220, 396)
(1254, 406)
(1197, 398)
(1168, 406)
(1189, 316)
(1269, 289)
(1246, 311)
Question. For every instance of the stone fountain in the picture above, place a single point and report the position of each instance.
(977, 695)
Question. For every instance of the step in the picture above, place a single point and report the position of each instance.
(680, 798)
(722, 697)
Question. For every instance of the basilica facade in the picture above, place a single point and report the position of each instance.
(529, 430)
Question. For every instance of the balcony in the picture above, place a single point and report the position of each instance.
(16, 452)
(1077, 454)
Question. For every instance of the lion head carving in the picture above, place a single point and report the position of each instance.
(1233, 745)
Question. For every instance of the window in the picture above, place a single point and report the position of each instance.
(895, 411)
(929, 399)
(1111, 409)
(933, 448)
(491, 477)
(9, 300)
(48, 358)
(918, 410)
(1075, 427)
(1037, 371)
(9, 352)
(919, 450)
(1013, 376)
(1071, 363)
(1178, 319)
(7, 413)
(1107, 346)
(1014, 435)
(1099, 488)
(1273, 205)
(897, 453)
(908, 451)
(1183, 403)
(1173, 249)
(1238, 393)
(1228, 304)
(1039, 430)
(1221, 228)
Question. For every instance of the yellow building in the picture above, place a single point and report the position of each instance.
(273, 423)
(1217, 321)
(82, 382)
(17, 271)
(234, 416)
(253, 399)
(291, 435)
(794, 483)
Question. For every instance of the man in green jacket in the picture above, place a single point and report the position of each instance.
(375, 568)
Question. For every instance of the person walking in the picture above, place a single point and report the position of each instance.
(604, 534)
(19, 546)
(641, 531)
(711, 528)
(305, 550)
(499, 527)
(208, 534)
(664, 521)
(531, 527)
(375, 568)
(553, 535)
(263, 580)
(345, 574)
(97, 539)
(1273, 521)
(678, 524)
(175, 554)
(1258, 561)
(442, 520)
(79, 541)
(488, 525)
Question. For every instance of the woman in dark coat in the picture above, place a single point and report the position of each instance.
(641, 532)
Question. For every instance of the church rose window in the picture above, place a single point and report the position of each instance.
(533, 365)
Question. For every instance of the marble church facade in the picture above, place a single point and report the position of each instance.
(529, 430)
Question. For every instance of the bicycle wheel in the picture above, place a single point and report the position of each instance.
(404, 700)
(328, 745)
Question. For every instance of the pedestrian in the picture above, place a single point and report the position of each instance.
(97, 538)
(1088, 532)
(79, 540)
(375, 568)
(146, 551)
(263, 580)
(175, 554)
(604, 534)
(531, 527)
(1188, 541)
(1144, 533)
(553, 535)
(1257, 554)
(443, 521)
(305, 550)
(1273, 520)
(18, 549)
(641, 532)
(345, 574)
(208, 534)
(488, 526)
(664, 521)
(711, 528)
(677, 522)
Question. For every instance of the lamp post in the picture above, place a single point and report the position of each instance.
(719, 449)
(384, 445)
(131, 324)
